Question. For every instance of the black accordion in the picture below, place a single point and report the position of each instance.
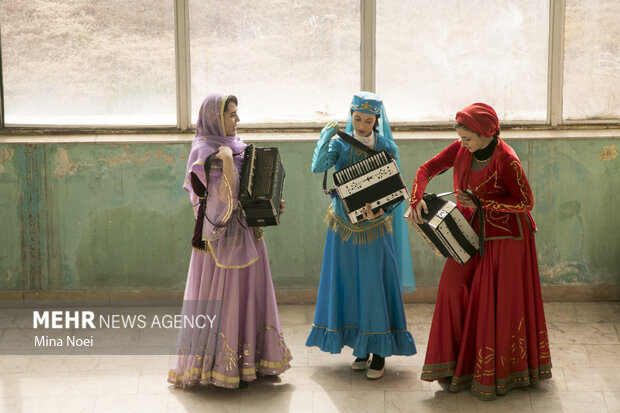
(447, 231)
(375, 180)
(261, 185)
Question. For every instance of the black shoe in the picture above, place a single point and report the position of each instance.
(361, 364)
(377, 368)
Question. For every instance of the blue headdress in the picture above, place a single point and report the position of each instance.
(368, 102)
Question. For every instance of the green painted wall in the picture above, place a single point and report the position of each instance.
(87, 216)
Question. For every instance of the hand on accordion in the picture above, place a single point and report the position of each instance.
(282, 202)
(368, 214)
(416, 213)
(465, 199)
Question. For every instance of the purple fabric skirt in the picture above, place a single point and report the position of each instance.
(245, 340)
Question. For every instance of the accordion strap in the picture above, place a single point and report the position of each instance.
(353, 142)
(202, 191)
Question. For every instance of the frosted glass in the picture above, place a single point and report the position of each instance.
(88, 62)
(435, 57)
(286, 61)
(592, 60)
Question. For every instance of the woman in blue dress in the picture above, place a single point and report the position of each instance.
(366, 265)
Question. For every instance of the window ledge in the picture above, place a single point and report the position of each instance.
(301, 136)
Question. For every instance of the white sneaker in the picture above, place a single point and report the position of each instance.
(360, 365)
(373, 374)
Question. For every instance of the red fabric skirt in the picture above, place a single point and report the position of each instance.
(488, 332)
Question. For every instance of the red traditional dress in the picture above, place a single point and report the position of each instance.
(488, 332)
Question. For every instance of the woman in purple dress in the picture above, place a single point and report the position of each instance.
(231, 330)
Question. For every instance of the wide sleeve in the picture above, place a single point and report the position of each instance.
(519, 196)
(326, 151)
(440, 163)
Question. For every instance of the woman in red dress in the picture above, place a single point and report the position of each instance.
(488, 332)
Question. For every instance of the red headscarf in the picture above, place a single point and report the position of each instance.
(479, 118)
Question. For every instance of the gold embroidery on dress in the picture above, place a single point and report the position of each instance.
(495, 185)
(485, 363)
(497, 221)
(522, 205)
(518, 347)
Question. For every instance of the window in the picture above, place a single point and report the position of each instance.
(592, 60)
(76, 62)
(287, 61)
(137, 63)
(435, 57)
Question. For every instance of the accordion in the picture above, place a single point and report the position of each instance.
(447, 231)
(375, 180)
(261, 185)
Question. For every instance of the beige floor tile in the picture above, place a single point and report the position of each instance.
(296, 401)
(153, 382)
(309, 379)
(582, 333)
(131, 403)
(103, 383)
(420, 402)
(419, 313)
(133, 362)
(33, 385)
(570, 402)
(58, 363)
(300, 355)
(344, 359)
(394, 378)
(592, 379)
(612, 401)
(349, 401)
(294, 314)
(598, 312)
(560, 312)
(603, 355)
(207, 399)
(569, 355)
(14, 363)
(420, 332)
(59, 404)
(517, 400)
(296, 334)
(10, 404)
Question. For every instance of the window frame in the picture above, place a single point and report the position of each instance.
(368, 9)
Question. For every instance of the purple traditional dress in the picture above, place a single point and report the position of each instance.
(229, 291)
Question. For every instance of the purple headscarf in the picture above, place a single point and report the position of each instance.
(209, 137)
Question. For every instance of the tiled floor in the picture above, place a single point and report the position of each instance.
(585, 350)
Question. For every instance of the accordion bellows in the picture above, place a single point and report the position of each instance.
(261, 186)
(447, 231)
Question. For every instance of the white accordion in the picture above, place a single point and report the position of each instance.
(375, 180)
(447, 231)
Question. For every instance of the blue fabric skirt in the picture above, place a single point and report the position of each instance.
(359, 303)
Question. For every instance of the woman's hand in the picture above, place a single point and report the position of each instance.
(368, 214)
(224, 152)
(282, 202)
(416, 213)
(465, 199)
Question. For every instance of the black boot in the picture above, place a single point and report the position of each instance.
(377, 367)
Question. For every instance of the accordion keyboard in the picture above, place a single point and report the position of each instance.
(361, 168)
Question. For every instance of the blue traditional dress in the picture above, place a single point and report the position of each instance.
(359, 302)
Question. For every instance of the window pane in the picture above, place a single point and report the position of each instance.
(592, 60)
(436, 57)
(88, 62)
(286, 61)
